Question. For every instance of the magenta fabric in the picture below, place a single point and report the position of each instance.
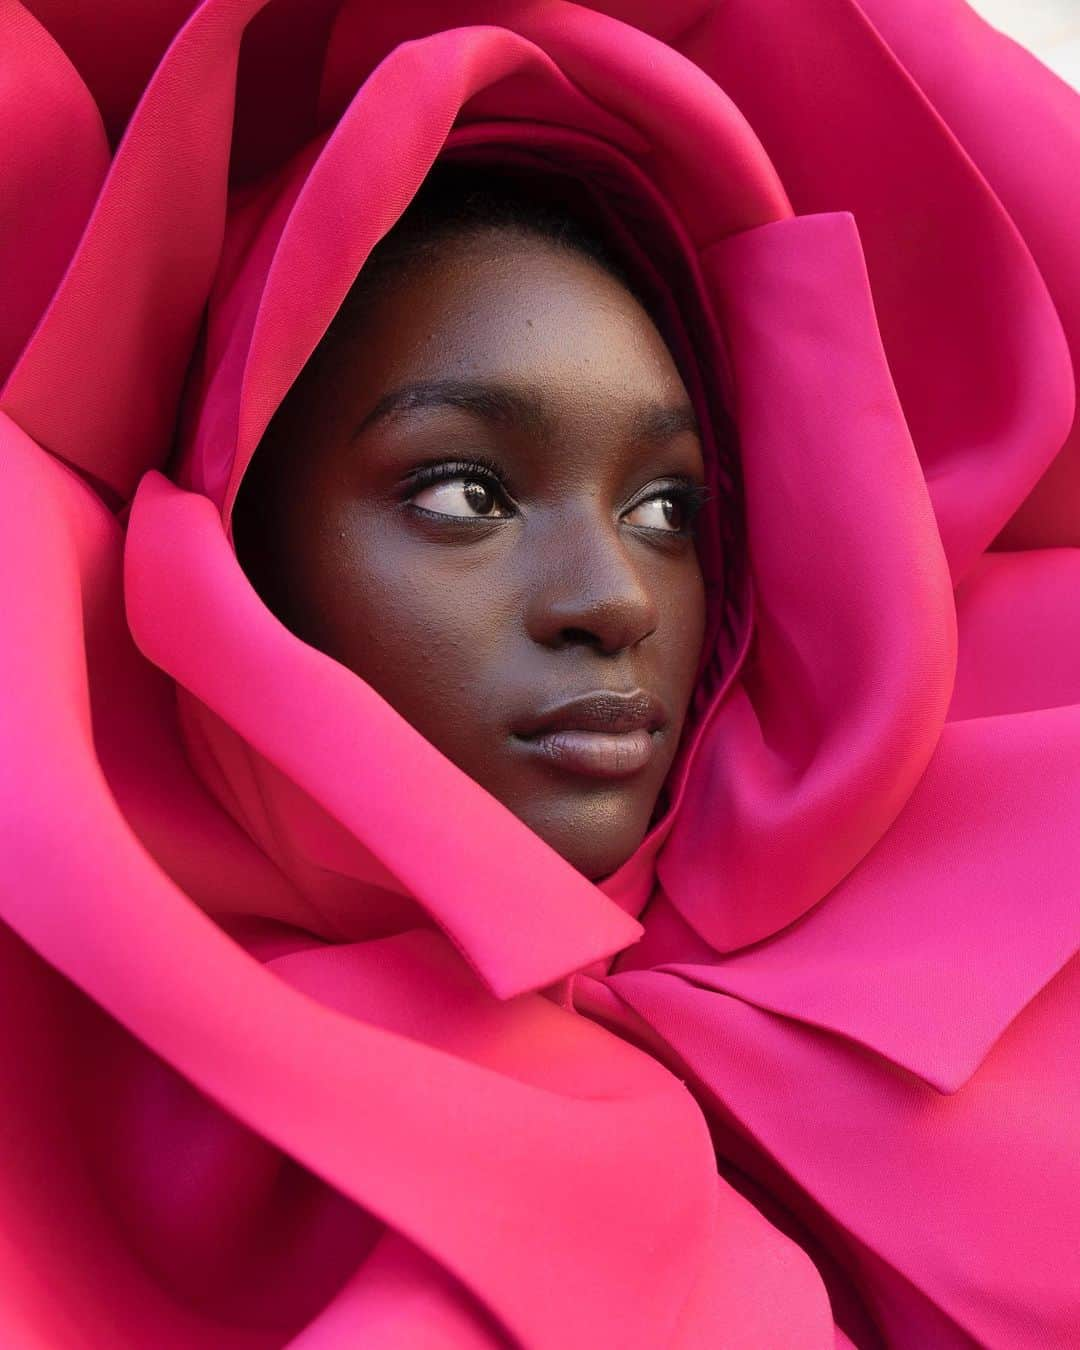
(307, 1040)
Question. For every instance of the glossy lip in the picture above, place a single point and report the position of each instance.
(599, 735)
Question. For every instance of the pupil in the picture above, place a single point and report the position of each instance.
(671, 512)
(479, 497)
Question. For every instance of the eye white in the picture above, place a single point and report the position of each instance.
(651, 514)
(462, 497)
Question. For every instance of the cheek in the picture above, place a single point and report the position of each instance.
(683, 623)
(424, 625)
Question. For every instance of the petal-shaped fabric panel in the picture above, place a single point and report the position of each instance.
(843, 696)
(52, 164)
(100, 381)
(69, 1274)
(989, 402)
(940, 937)
(933, 1184)
(1021, 126)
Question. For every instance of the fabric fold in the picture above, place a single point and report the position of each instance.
(845, 689)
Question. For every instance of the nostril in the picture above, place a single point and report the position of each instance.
(580, 636)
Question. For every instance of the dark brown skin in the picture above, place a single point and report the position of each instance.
(475, 608)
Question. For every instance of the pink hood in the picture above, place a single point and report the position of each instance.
(337, 1074)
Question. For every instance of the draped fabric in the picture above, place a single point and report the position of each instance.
(306, 1039)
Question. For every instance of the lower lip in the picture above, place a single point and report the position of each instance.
(595, 754)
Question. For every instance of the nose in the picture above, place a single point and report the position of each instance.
(589, 590)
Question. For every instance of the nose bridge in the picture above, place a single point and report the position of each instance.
(589, 586)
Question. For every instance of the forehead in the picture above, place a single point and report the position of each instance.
(515, 310)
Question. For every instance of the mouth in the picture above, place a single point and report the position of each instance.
(603, 735)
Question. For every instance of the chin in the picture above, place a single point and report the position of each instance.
(594, 843)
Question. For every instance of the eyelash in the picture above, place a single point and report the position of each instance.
(479, 470)
(689, 495)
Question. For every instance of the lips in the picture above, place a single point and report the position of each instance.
(598, 735)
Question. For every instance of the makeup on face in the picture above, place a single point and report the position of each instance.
(483, 499)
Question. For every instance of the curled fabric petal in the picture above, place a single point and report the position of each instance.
(54, 159)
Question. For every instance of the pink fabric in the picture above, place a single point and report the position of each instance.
(308, 1040)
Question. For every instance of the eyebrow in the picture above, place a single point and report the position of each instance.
(510, 406)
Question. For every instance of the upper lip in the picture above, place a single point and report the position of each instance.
(603, 710)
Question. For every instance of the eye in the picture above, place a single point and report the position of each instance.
(459, 491)
(670, 511)
(658, 513)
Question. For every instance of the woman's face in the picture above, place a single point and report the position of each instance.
(481, 502)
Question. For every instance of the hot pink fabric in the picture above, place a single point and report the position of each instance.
(307, 1040)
